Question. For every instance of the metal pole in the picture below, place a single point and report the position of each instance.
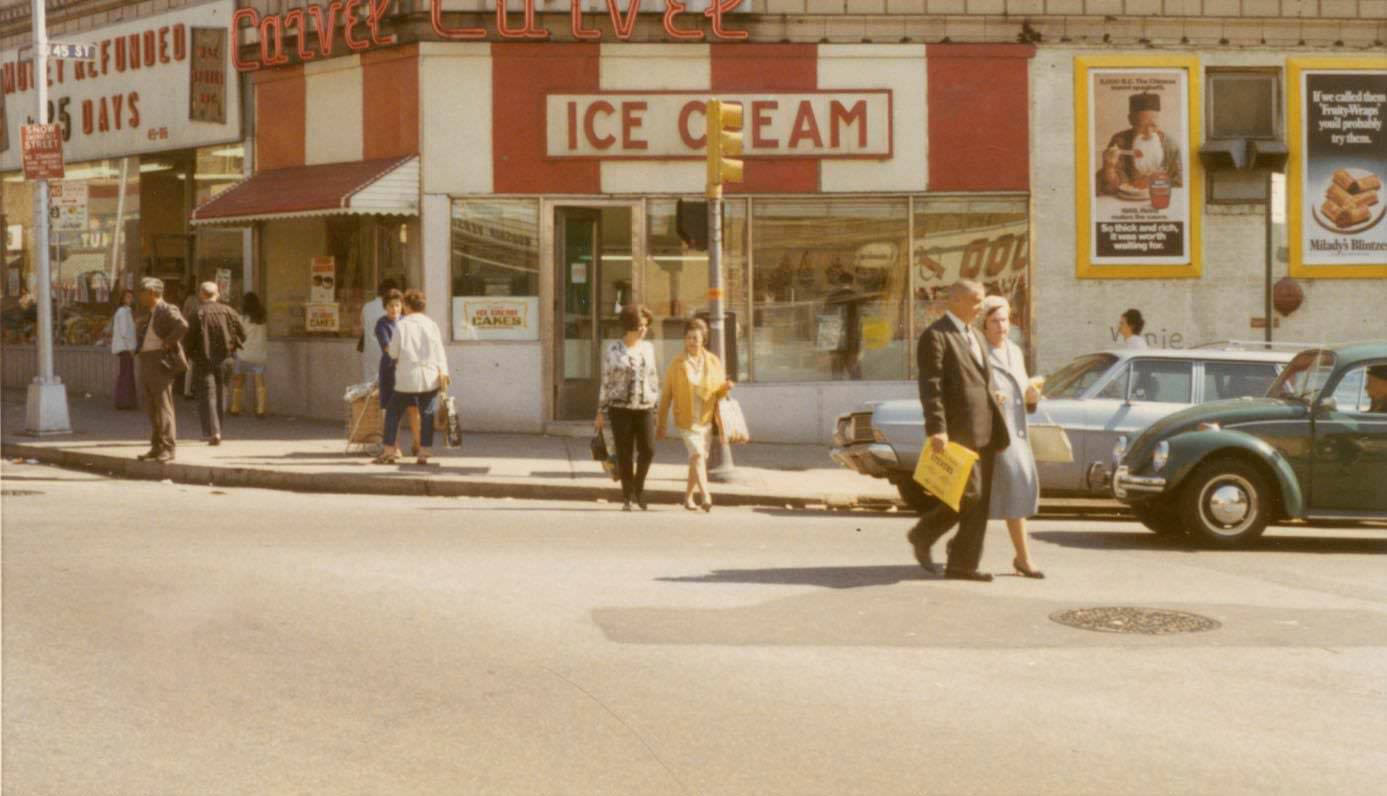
(1270, 253)
(46, 408)
(720, 464)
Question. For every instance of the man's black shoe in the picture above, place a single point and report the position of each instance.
(165, 458)
(147, 456)
(922, 552)
(959, 574)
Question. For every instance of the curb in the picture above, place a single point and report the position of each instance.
(416, 486)
(424, 486)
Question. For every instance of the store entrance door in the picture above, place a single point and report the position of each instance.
(594, 278)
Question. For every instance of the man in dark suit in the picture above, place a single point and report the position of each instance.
(159, 330)
(214, 334)
(956, 394)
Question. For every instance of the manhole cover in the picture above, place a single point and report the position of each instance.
(1147, 621)
(18, 492)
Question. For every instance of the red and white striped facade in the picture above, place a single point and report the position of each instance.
(489, 118)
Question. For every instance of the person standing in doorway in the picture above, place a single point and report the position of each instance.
(124, 344)
(251, 358)
(190, 305)
(369, 347)
(694, 382)
(159, 328)
(214, 335)
(1129, 326)
(629, 394)
(956, 394)
(421, 374)
(1015, 484)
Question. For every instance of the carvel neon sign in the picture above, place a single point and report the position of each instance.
(361, 27)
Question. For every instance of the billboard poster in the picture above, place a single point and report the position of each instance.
(1137, 194)
(495, 318)
(1339, 164)
(322, 286)
(321, 317)
(207, 79)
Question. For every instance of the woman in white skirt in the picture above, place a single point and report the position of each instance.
(1015, 484)
(693, 384)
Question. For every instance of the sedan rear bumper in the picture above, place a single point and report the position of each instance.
(875, 459)
(1125, 485)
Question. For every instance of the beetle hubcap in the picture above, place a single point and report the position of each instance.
(1229, 504)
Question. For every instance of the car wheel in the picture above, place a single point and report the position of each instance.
(1160, 520)
(1226, 503)
(914, 496)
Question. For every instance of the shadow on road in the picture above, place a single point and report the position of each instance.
(827, 577)
(1275, 543)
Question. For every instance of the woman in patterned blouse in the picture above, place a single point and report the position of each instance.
(630, 392)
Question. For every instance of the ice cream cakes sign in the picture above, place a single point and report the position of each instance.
(1339, 164)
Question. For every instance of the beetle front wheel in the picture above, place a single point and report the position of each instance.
(1226, 503)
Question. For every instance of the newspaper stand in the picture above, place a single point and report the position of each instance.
(365, 423)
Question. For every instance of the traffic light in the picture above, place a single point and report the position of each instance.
(724, 140)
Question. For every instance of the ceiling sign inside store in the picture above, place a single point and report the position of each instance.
(664, 126)
(319, 31)
(135, 95)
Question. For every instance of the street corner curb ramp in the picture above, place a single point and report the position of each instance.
(412, 484)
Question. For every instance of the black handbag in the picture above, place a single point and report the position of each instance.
(599, 448)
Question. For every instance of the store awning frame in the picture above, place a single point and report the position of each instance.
(388, 187)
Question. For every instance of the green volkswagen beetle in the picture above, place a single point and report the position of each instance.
(1314, 449)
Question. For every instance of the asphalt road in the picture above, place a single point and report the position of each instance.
(169, 639)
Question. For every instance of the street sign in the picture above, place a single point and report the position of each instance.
(71, 52)
(42, 145)
(67, 205)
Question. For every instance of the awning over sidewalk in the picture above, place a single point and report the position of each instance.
(384, 187)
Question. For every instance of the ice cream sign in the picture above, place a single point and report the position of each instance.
(495, 318)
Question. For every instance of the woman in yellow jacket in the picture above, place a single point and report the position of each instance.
(693, 384)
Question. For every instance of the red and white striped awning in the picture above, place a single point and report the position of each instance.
(389, 186)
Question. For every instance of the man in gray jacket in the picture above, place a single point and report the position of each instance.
(159, 329)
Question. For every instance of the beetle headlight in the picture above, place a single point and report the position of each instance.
(1160, 456)
(1119, 450)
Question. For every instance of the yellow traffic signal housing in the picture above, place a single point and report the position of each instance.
(724, 141)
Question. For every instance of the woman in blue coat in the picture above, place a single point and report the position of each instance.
(1015, 484)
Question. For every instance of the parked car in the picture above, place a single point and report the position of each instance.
(1096, 398)
(1311, 450)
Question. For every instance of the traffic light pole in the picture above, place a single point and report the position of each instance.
(721, 468)
(45, 410)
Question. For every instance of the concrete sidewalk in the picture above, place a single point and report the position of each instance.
(310, 455)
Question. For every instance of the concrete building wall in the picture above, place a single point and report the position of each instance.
(1180, 313)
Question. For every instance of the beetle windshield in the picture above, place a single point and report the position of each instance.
(1073, 379)
(1304, 377)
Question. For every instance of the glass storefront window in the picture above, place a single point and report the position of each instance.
(90, 261)
(495, 246)
(985, 240)
(831, 289)
(219, 251)
(675, 280)
(351, 254)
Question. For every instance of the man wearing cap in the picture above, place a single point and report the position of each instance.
(1377, 388)
(159, 328)
(1142, 150)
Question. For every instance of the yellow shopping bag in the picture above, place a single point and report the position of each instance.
(945, 475)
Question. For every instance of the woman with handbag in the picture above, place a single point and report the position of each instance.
(1015, 484)
(629, 394)
(693, 384)
(421, 375)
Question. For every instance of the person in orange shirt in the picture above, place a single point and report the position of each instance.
(693, 384)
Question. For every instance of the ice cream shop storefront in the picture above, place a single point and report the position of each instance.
(532, 189)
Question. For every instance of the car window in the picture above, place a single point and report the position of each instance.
(1304, 377)
(1161, 381)
(1117, 388)
(1351, 393)
(1223, 380)
(1074, 379)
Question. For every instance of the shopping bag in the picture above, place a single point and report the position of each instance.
(453, 433)
(731, 422)
(598, 448)
(945, 474)
(1051, 444)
